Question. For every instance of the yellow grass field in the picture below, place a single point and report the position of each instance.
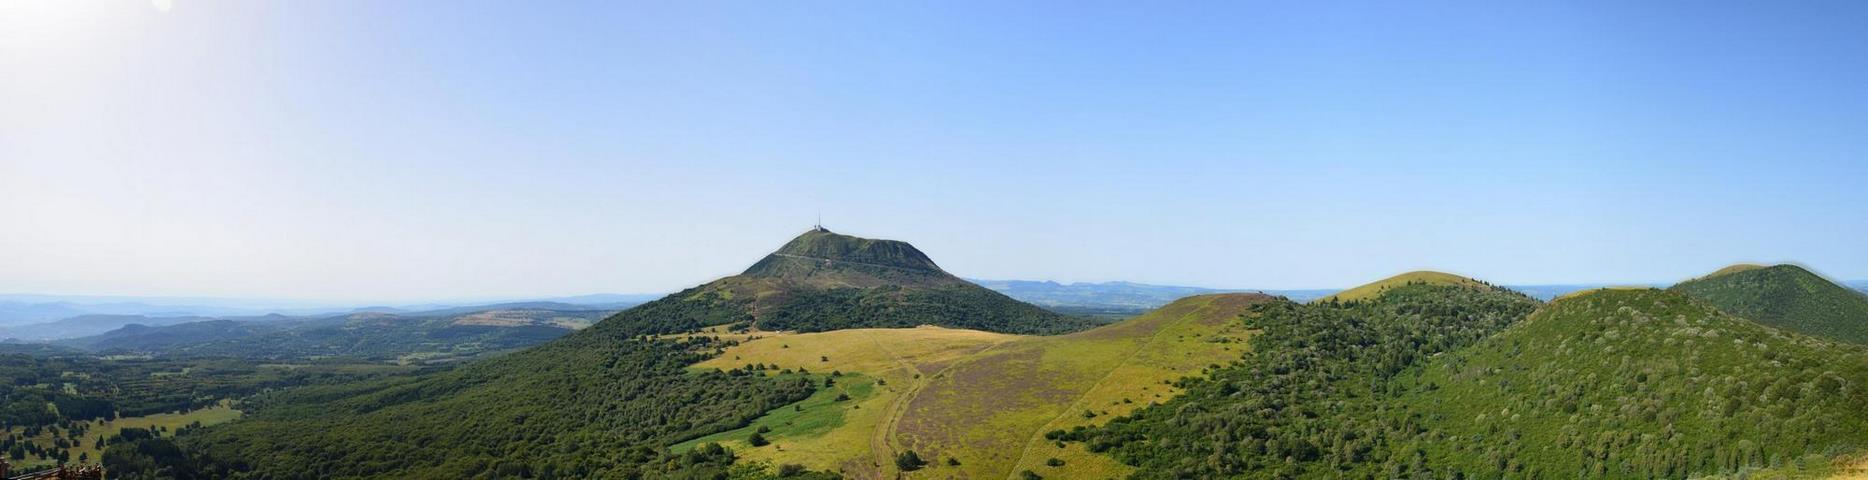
(901, 359)
(983, 399)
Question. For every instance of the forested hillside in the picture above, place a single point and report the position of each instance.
(598, 404)
(1307, 398)
(1786, 296)
(1640, 383)
(823, 281)
(1606, 384)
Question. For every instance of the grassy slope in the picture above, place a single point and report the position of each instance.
(1640, 382)
(1372, 290)
(1786, 296)
(991, 410)
(895, 356)
(1055, 379)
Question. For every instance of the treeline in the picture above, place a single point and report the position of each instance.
(368, 338)
(57, 391)
(966, 306)
(594, 405)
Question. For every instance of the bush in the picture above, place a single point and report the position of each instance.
(909, 461)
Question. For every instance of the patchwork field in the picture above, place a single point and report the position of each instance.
(86, 447)
(983, 400)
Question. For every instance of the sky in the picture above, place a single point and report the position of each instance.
(436, 150)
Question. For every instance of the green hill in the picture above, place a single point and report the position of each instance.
(1785, 296)
(1376, 288)
(604, 402)
(1642, 383)
(1615, 383)
(1311, 398)
(824, 281)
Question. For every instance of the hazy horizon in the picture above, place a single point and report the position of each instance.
(389, 152)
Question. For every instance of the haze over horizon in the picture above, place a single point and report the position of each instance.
(405, 152)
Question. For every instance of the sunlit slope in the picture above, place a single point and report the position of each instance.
(923, 389)
(1640, 383)
(826, 434)
(1376, 288)
(1786, 296)
(990, 411)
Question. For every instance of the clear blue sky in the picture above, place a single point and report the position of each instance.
(415, 150)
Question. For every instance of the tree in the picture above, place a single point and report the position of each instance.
(909, 461)
(757, 440)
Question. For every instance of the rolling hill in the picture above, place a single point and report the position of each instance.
(1785, 296)
(1375, 289)
(605, 401)
(1310, 396)
(1609, 383)
(823, 281)
(983, 399)
(1642, 383)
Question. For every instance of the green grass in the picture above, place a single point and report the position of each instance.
(811, 418)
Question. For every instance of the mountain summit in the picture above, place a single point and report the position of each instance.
(829, 281)
(827, 259)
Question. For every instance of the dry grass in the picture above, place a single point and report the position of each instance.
(1375, 289)
(1855, 468)
(992, 410)
(983, 398)
(903, 359)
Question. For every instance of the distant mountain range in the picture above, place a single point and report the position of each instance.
(1113, 298)
(48, 317)
(45, 317)
(412, 337)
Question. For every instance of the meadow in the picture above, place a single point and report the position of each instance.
(975, 404)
